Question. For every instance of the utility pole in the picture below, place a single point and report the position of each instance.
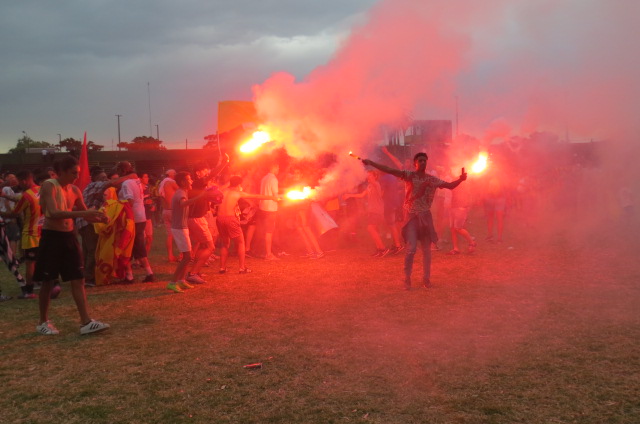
(157, 132)
(59, 138)
(186, 144)
(149, 99)
(118, 116)
(457, 118)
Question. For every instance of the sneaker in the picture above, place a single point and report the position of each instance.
(4, 298)
(377, 253)
(472, 246)
(317, 255)
(271, 258)
(222, 270)
(89, 283)
(184, 285)
(149, 278)
(127, 281)
(55, 292)
(174, 287)
(94, 326)
(47, 328)
(27, 296)
(195, 279)
(434, 247)
(398, 249)
(244, 271)
(453, 252)
(427, 284)
(384, 253)
(283, 254)
(213, 257)
(250, 254)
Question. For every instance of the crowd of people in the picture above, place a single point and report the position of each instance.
(100, 235)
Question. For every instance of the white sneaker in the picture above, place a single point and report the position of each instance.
(47, 328)
(195, 279)
(94, 326)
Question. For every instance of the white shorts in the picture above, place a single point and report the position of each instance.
(181, 238)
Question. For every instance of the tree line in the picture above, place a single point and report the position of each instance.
(72, 145)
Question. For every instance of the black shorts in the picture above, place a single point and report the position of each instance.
(59, 254)
(31, 254)
(139, 247)
(268, 219)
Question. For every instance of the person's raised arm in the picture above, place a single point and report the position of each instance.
(390, 155)
(386, 169)
(453, 184)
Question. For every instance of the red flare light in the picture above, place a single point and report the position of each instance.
(305, 193)
(480, 164)
(258, 139)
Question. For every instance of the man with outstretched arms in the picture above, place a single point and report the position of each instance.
(420, 189)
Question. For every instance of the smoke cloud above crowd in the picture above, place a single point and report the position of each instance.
(514, 68)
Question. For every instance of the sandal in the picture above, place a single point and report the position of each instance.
(244, 271)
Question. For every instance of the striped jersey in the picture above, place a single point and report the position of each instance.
(29, 206)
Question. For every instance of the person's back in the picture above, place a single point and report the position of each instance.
(229, 203)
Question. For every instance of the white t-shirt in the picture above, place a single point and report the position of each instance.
(132, 190)
(269, 187)
(7, 205)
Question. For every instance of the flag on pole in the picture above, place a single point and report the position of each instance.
(84, 179)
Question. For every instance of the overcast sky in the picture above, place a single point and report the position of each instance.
(71, 66)
(328, 71)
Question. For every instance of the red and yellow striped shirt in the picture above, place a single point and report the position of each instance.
(29, 205)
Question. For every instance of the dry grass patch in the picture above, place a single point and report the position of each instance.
(525, 335)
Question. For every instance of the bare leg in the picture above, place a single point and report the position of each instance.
(224, 254)
(181, 269)
(241, 250)
(201, 256)
(373, 232)
(80, 297)
(44, 299)
(307, 244)
(489, 224)
(268, 239)
(454, 238)
(169, 245)
(312, 238)
(251, 230)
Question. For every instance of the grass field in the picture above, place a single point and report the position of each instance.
(520, 332)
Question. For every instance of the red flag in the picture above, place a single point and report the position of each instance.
(84, 179)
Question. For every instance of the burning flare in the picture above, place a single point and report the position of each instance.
(300, 195)
(258, 139)
(481, 164)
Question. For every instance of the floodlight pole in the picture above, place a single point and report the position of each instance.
(118, 116)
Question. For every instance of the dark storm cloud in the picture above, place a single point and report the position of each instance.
(66, 63)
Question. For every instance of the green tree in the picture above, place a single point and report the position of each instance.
(141, 143)
(73, 145)
(27, 142)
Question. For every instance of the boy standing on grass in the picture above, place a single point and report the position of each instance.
(59, 251)
(180, 230)
(229, 224)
